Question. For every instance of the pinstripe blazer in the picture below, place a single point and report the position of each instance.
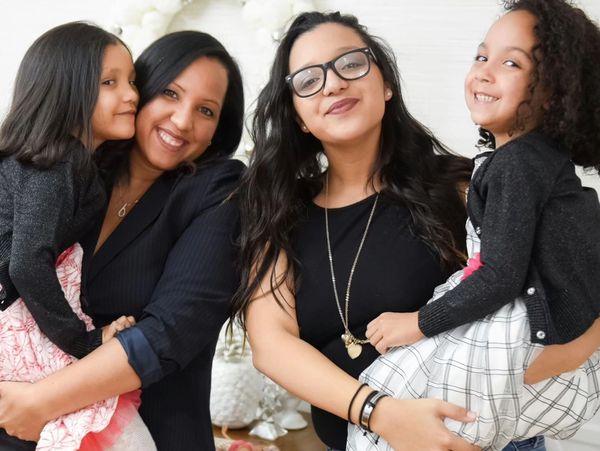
(170, 263)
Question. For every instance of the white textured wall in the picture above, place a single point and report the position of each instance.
(434, 41)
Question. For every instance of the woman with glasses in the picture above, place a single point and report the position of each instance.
(350, 208)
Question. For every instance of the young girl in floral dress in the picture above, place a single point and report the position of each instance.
(74, 90)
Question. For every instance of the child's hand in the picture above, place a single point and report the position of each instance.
(122, 323)
(394, 329)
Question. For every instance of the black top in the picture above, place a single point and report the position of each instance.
(42, 213)
(395, 272)
(540, 239)
(170, 263)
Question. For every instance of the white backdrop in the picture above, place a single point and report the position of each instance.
(434, 40)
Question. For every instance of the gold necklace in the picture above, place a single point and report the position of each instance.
(353, 344)
(122, 212)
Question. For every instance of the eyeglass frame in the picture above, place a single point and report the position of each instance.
(331, 65)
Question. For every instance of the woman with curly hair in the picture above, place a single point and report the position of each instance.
(516, 334)
(326, 251)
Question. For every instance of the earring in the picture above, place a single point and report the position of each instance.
(304, 127)
(388, 94)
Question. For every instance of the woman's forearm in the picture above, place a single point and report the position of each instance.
(306, 373)
(102, 374)
(405, 424)
(280, 353)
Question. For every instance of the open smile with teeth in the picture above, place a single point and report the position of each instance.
(169, 139)
(484, 98)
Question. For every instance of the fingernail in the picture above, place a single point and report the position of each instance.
(471, 415)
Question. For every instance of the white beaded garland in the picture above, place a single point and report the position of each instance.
(139, 22)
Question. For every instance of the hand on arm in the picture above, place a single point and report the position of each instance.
(394, 329)
(26, 408)
(280, 353)
(118, 325)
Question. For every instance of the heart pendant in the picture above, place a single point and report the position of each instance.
(354, 350)
(347, 339)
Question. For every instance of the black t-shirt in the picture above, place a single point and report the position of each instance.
(395, 272)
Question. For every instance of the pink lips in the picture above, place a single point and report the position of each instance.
(341, 106)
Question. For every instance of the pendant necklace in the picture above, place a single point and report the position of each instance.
(122, 212)
(353, 345)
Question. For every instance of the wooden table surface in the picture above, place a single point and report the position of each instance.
(301, 440)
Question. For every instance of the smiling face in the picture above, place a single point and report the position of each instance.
(497, 88)
(114, 112)
(343, 111)
(178, 124)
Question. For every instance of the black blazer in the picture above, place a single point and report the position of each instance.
(170, 263)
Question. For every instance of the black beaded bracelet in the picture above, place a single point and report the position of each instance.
(362, 419)
(368, 408)
(352, 402)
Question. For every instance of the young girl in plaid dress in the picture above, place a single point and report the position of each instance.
(515, 336)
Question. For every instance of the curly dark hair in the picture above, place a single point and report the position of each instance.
(285, 174)
(566, 57)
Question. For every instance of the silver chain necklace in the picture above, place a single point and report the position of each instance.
(353, 344)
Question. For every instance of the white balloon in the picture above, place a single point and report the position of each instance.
(129, 34)
(263, 37)
(168, 6)
(142, 40)
(276, 13)
(125, 16)
(252, 12)
(300, 6)
(156, 22)
(138, 6)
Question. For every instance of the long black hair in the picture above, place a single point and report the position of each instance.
(284, 174)
(55, 94)
(566, 59)
(156, 68)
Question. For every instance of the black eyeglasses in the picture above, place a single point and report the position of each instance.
(351, 65)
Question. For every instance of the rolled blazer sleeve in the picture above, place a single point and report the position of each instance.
(515, 185)
(192, 297)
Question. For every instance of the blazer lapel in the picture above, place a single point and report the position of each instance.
(145, 211)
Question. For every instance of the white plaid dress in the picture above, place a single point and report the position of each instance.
(480, 366)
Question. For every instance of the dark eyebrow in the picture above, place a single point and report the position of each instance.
(520, 50)
(212, 101)
(510, 49)
(207, 99)
(179, 86)
(341, 50)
